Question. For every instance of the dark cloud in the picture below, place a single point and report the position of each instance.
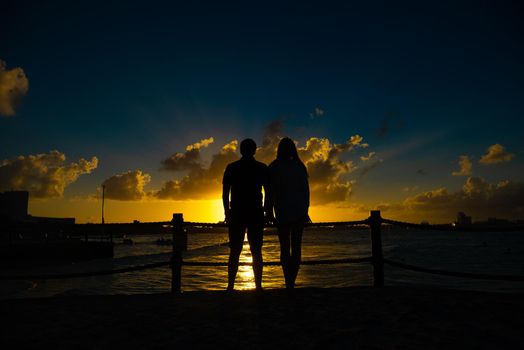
(389, 123)
(13, 87)
(367, 168)
(273, 133)
(201, 181)
(43, 175)
(190, 159)
(477, 198)
(128, 186)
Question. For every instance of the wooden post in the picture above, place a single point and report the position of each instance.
(176, 259)
(375, 221)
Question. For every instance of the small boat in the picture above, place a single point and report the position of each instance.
(127, 240)
(163, 241)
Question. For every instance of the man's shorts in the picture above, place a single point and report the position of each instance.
(237, 230)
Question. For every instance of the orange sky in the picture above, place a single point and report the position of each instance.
(149, 210)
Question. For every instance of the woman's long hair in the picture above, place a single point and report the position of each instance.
(287, 150)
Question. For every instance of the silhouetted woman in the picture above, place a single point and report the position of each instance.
(290, 200)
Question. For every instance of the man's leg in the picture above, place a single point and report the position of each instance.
(236, 240)
(255, 238)
(232, 267)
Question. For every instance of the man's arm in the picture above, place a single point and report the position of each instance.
(225, 200)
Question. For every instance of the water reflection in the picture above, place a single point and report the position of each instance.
(245, 279)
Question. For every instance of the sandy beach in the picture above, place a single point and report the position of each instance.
(354, 318)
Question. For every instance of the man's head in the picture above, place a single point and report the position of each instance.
(248, 147)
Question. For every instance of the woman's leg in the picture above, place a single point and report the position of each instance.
(283, 237)
(296, 251)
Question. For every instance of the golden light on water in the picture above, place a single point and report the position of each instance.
(272, 276)
(245, 278)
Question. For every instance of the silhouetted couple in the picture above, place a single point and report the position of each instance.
(286, 203)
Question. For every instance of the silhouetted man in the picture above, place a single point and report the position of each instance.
(245, 179)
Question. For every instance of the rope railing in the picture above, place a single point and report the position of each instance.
(86, 274)
(311, 224)
(483, 276)
(450, 227)
(377, 260)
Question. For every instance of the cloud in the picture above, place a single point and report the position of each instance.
(477, 197)
(465, 167)
(317, 113)
(189, 159)
(364, 170)
(202, 144)
(13, 87)
(368, 157)
(43, 175)
(326, 162)
(128, 186)
(496, 154)
(389, 123)
(327, 170)
(410, 189)
(272, 136)
(200, 181)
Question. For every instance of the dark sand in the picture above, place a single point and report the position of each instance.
(350, 318)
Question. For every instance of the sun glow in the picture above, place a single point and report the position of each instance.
(208, 210)
(217, 210)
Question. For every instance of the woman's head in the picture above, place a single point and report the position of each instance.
(287, 150)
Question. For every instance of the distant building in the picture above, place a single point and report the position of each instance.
(463, 219)
(13, 205)
(50, 220)
(496, 221)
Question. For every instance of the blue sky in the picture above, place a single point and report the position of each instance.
(134, 82)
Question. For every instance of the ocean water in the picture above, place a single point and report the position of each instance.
(486, 252)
